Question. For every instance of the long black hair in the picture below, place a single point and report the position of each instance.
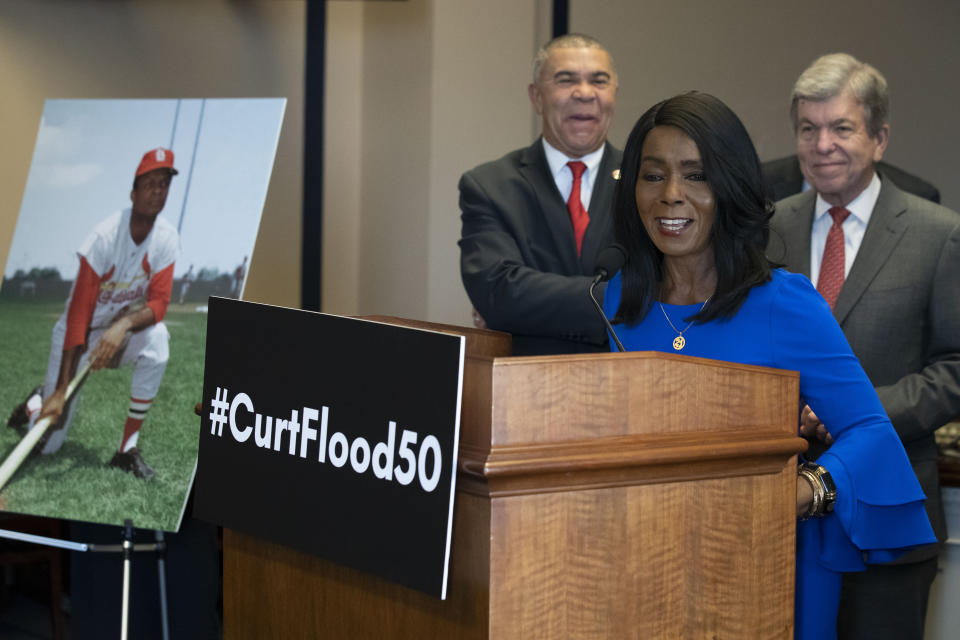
(741, 222)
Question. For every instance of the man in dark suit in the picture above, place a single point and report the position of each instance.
(888, 264)
(782, 178)
(535, 220)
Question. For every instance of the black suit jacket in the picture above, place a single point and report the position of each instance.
(783, 178)
(900, 311)
(518, 257)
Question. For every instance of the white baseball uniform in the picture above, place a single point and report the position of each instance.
(127, 275)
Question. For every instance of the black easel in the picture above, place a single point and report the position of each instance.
(127, 547)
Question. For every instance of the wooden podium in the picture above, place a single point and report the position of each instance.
(639, 495)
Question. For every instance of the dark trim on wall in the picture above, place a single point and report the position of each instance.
(561, 17)
(312, 243)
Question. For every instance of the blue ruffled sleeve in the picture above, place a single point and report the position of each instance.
(879, 513)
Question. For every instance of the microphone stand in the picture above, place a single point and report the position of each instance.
(596, 280)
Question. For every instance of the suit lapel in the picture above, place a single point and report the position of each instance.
(884, 231)
(536, 171)
(795, 224)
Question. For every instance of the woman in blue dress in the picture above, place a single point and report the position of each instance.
(692, 215)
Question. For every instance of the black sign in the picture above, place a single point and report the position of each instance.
(333, 436)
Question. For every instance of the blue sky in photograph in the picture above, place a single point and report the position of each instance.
(87, 152)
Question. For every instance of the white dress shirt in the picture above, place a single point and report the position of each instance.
(853, 227)
(563, 175)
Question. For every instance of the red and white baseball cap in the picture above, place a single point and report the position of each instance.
(158, 158)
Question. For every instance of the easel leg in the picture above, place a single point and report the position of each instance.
(162, 574)
(127, 559)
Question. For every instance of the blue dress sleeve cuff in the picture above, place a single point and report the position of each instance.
(884, 520)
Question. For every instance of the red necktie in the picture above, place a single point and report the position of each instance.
(832, 265)
(578, 215)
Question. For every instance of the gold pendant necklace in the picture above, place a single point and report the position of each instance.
(680, 342)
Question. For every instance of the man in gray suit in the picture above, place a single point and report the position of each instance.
(535, 220)
(889, 265)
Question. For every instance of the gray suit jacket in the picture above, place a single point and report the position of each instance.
(518, 257)
(900, 311)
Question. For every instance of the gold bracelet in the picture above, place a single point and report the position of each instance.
(817, 492)
(824, 490)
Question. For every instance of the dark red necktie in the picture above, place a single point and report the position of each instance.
(832, 265)
(578, 215)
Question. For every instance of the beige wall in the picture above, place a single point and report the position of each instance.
(342, 167)
(750, 53)
(442, 88)
(146, 49)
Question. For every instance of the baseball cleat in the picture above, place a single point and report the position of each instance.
(20, 415)
(132, 462)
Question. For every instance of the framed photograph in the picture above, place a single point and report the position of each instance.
(134, 212)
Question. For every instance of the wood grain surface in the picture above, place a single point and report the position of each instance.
(637, 495)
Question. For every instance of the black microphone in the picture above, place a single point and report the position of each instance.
(609, 262)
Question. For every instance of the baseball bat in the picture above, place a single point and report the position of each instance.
(20, 452)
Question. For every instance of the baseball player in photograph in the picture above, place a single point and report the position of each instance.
(114, 314)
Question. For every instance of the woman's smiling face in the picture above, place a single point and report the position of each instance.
(674, 199)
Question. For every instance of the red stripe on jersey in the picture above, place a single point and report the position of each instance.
(158, 292)
(82, 304)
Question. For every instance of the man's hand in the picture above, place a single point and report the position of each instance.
(113, 338)
(478, 320)
(810, 426)
(53, 406)
(108, 345)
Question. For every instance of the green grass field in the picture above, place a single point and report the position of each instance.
(75, 483)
